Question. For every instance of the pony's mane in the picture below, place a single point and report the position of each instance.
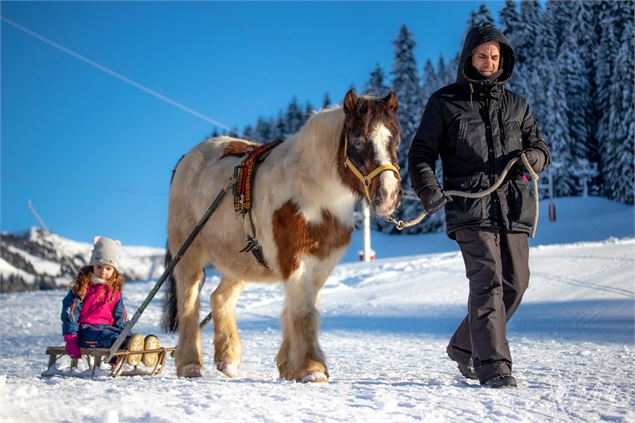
(324, 123)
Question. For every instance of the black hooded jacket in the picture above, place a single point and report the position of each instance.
(477, 126)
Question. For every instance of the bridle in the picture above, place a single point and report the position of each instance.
(366, 180)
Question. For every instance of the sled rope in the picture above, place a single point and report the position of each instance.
(400, 224)
(168, 271)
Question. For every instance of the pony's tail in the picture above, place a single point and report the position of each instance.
(169, 322)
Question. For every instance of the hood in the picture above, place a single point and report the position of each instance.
(476, 36)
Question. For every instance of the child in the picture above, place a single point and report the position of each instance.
(93, 314)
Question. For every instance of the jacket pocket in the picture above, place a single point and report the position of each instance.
(513, 137)
(520, 202)
(462, 209)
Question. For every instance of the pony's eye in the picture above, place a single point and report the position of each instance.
(358, 142)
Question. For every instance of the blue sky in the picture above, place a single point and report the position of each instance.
(94, 153)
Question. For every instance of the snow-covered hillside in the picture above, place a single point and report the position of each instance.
(385, 326)
(38, 259)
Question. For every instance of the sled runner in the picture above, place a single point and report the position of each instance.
(95, 357)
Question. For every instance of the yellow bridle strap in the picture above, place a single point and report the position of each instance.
(366, 180)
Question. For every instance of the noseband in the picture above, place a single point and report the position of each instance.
(366, 180)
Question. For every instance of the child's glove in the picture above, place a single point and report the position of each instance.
(72, 345)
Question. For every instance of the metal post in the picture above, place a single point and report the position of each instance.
(366, 226)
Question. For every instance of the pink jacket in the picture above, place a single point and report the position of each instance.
(97, 308)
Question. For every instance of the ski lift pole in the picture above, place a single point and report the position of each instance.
(37, 215)
(39, 219)
(168, 271)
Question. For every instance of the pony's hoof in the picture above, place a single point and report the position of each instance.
(315, 377)
(190, 370)
(228, 368)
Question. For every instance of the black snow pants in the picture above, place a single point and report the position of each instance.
(497, 266)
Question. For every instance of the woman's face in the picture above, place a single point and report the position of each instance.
(103, 271)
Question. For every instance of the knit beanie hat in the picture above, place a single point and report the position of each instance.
(105, 251)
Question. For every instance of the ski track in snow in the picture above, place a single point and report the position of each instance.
(385, 327)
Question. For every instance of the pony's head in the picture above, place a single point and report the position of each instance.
(368, 150)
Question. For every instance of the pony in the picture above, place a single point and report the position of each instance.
(303, 201)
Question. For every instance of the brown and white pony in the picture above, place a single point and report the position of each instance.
(304, 194)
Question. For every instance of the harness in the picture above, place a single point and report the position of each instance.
(244, 175)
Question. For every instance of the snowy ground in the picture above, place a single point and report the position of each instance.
(384, 329)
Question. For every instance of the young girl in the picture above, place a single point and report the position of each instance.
(93, 313)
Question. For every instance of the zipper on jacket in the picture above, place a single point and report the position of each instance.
(495, 213)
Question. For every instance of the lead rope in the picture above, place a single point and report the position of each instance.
(401, 225)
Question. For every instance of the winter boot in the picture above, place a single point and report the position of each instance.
(501, 381)
(135, 344)
(468, 371)
(151, 343)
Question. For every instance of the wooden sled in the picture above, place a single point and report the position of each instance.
(95, 356)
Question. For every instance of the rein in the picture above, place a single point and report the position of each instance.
(400, 224)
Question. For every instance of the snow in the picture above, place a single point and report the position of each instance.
(385, 326)
(9, 269)
(136, 261)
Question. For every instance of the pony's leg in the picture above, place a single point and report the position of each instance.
(227, 345)
(305, 360)
(189, 353)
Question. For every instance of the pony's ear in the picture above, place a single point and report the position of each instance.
(117, 242)
(349, 101)
(391, 100)
(96, 238)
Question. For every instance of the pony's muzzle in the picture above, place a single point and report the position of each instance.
(388, 195)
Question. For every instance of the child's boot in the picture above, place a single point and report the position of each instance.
(135, 344)
(151, 343)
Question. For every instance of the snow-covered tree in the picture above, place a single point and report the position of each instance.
(570, 26)
(326, 101)
(376, 83)
(405, 83)
(263, 130)
(430, 82)
(280, 127)
(248, 133)
(293, 118)
(618, 142)
(308, 112)
(479, 16)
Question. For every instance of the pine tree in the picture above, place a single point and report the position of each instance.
(603, 72)
(262, 132)
(555, 127)
(248, 133)
(375, 84)
(570, 26)
(405, 83)
(479, 16)
(508, 17)
(326, 101)
(293, 118)
(308, 112)
(280, 127)
(510, 25)
(618, 143)
(525, 43)
(430, 82)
